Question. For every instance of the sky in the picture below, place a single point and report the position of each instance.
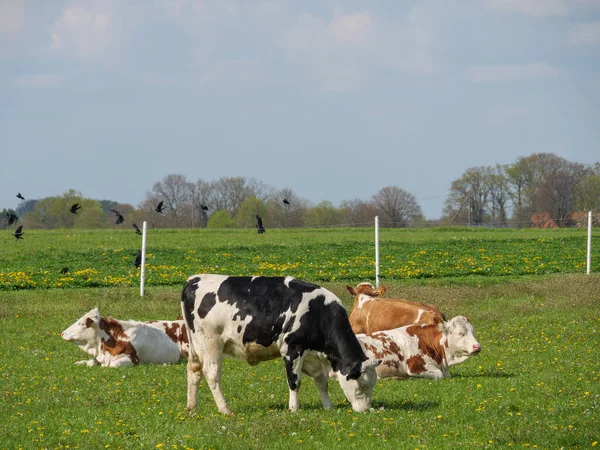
(333, 99)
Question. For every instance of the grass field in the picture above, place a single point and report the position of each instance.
(535, 384)
(102, 258)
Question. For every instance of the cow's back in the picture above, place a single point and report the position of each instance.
(151, 344)
(385, 314)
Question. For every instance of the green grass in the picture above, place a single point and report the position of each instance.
(535, 384)
(103, 258)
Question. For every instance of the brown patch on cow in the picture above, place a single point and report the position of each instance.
(416, 364)
(389, 347)
(392, 363)
(180, 317)
(171, 331)
(429, 337)
(114, 345)
(112, 327)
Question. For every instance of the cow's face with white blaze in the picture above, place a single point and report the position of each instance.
(84, 332)
(461, 340)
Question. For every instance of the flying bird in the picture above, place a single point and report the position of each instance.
(20, 196)
(64, 270)
(12, 218)
(138, 259)
(137, 229)
(18, 234)
(74, 208)
(285, 202)
(120, 218)
(159, 207)
(259, 224)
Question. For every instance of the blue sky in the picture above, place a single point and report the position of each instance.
(333, 99)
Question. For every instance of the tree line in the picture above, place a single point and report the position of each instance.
(500, 195)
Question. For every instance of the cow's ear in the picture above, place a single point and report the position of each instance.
(380, 290)
(351, 290)
(369, 363)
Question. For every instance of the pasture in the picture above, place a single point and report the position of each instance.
(534, 385)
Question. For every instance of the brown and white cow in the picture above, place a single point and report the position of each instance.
(119, 343)
(425, 351)
(372, 313)
(176, 331)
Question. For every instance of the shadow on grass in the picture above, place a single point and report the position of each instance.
(485, 375)
(406, 405)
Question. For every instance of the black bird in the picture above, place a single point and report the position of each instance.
(12, 218)
(120, 218)
(64, 270)
(137, 229)
(18, 232)
(285, 202)
(259, 225)
(159, 207)
(20, 196)
(74, 208)
(204, 207)
(138, 259)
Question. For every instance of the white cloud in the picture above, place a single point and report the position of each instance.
(40, 80)
(585, 33)
(511, 72)
(343, 51)
(531, 7)
(86, 29)
(11, 15)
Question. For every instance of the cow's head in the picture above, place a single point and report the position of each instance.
(366, 289)
(461, 340)
(85, 330)
(358, 384)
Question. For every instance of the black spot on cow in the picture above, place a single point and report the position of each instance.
(207, 303)
(265, 300)
(239, 329)
(188, 297)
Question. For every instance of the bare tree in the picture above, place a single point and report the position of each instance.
(469, 195)
(500, 194)
(396, 206)
(290, 214)
(228, 193)
(357, 212)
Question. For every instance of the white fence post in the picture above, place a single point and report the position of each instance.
(143, 271)
(589, 246)
(376, 251)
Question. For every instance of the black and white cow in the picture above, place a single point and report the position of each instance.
(261, 318)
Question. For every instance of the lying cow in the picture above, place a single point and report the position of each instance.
(176, 331)
(261, 318)
(119, 343)
(371, 313)
(425, 351)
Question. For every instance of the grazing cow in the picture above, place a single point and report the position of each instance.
(119, 343)
(425, 351)
(370, 313)
(261, 318)
(176, 331)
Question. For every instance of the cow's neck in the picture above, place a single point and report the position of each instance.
(341, 345)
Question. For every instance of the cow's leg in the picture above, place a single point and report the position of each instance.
(121, 361)
(320, 374)
(89, 362)
(293, 368)
(194, 375)
(212, 366)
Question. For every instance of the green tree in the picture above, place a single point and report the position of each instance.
(324, 214)
(588, 193)
(220, 219)
(246, 214)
